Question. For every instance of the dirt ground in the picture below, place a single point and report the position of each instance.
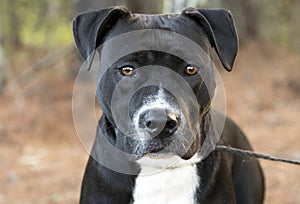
(42, 159)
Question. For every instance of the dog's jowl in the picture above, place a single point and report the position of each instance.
(156, 86)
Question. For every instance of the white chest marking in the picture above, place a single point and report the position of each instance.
(176, 185)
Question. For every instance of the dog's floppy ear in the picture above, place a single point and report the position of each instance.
(220, 27)
(89, 28)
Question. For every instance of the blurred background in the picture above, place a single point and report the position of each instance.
(41, 158)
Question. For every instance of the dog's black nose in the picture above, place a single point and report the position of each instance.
(159, 122)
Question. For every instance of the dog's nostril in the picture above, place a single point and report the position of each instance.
(148, 124)
(170, 124)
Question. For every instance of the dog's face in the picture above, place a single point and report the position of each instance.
(161, 122)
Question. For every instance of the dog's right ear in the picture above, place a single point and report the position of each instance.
(89, 28)
(220, 27)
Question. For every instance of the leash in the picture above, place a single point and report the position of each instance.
(248, 153)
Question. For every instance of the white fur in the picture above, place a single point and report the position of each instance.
(166, 180)
(153, 101)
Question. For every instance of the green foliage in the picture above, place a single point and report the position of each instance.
(38, 23)
(46, 35)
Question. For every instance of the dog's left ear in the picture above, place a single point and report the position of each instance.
(89, 28)
(220, 27)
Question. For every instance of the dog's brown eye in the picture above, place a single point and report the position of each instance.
(191, 70)
(126, 71)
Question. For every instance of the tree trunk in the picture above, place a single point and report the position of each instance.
(251, 16)
(2, 66)
(246, 15)
(145, 6)
(11, 20)
(294, 25)
(86, 5)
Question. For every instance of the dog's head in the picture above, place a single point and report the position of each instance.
(162, 121)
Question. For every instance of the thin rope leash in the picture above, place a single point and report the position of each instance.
(248, 153)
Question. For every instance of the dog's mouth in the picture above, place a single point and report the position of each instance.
(174, 135)
(176, 144)
(157, 146)
(171, 147)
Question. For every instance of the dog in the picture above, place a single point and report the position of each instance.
(166, 128)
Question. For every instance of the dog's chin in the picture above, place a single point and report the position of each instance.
(166, 155)
(160, 155)
(172, 147)
(156, 161)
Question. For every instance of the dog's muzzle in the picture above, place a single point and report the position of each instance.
(158, 122)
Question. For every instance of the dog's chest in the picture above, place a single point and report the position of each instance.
(168, 186)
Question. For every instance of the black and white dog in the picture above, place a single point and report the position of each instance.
(166, 128)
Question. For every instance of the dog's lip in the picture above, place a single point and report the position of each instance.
(155, 148)
(160, 155)
(158, 145)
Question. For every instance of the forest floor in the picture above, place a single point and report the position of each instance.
(42, 159)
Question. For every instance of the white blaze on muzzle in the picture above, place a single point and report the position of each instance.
(155, 102)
